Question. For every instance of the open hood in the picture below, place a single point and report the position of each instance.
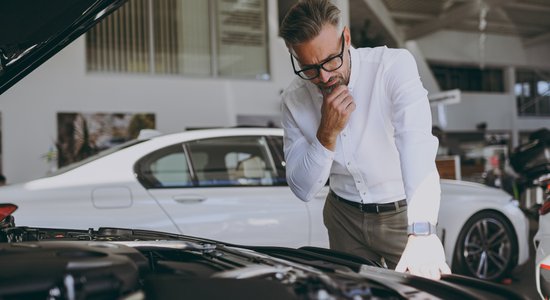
(33, 31)
(117, 263)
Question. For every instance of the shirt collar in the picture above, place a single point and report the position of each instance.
(354, 67)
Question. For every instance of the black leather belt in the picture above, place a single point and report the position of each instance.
(372, 207)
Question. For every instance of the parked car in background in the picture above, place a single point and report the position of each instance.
(532, 162)
(542, 239)
(542, 276)
(229, 184)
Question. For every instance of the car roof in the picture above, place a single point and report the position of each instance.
(218, 132)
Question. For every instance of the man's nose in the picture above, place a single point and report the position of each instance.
(324, 76)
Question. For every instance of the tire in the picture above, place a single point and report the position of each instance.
(486, 247)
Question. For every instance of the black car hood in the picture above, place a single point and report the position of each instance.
(33, 31)
(114, 263)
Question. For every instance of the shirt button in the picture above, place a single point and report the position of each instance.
(344, 134)
(349, 163)
(358, 181)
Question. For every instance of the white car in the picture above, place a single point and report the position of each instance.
(542, 275)
(542, 241)
(229, 185)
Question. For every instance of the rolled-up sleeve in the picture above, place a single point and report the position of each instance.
(307, 163)
(412, 122)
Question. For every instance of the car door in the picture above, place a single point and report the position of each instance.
(227, 189)
(318, 232)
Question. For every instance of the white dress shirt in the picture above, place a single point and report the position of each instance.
(385, 153)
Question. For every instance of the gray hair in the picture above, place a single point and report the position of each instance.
(305, 19)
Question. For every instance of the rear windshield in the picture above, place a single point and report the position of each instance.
(96, 156)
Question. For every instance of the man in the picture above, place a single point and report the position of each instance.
(361, 118)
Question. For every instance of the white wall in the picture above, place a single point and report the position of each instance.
(463, 47)
(497, 110)
(539, 55)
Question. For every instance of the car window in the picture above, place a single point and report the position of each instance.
(232, 161)
(165, 168)
(171, 170)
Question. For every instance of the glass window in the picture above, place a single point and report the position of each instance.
(232, 161)
(164, 168)
(534, 99)
(242, 38)
(171, 170)
(543, 87)
(215, 38)
(468, 78)
(518, 90)
(181, 33)
(120, 43)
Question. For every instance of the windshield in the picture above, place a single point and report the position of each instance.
(96, 156)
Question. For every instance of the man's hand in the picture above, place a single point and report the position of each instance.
(424, 256)
(335, 112)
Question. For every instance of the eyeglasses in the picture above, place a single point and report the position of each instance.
(330, 64)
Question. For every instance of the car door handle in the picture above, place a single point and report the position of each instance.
(189, 198)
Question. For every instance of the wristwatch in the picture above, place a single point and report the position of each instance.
(421, 229)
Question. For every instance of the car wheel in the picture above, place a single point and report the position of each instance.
(486, 247)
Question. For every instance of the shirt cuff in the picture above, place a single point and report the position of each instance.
(321, 152)
(424, 203)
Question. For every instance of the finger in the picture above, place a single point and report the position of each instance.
(434, 273)
(401, 266)
(345, 103)
(350, 107)
(414, 271)
(425, 272)
(340, 97)
(337, 93)
(445, 269)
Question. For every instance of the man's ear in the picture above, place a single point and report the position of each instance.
(347, 37)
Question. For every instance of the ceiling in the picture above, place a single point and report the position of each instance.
(392, 22)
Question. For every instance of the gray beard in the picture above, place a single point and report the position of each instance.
(326, 90)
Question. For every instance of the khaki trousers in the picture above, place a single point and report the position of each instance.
(380, 237)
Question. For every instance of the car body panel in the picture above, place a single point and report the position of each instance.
(542, 276)
(461, 200)
(542, 238)
(268, 214)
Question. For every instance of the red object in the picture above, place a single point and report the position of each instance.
(545, 208)
(494, 161)
(6, 209)
(546, 267)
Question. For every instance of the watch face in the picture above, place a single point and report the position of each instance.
(421, 228)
